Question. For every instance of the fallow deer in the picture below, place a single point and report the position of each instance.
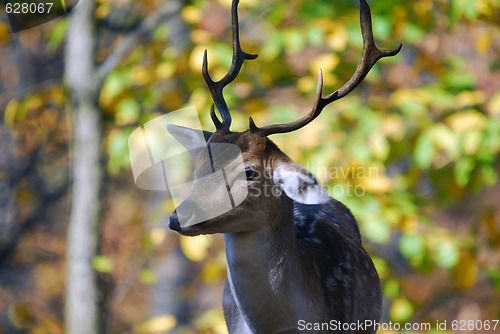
(295, 261)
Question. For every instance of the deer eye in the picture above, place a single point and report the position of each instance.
(251, 174)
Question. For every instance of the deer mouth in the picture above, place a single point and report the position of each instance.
(188, 230)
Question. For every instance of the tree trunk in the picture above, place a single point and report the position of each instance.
(82, 293)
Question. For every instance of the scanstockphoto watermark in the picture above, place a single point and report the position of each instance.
(346, 181)
(26, 14)
(339, 182)
(368, 325)
(360, 325)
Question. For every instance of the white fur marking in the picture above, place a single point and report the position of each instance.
(297, 185)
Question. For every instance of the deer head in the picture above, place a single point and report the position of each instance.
(270, 175)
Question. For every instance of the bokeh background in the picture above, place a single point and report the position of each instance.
(427, 120)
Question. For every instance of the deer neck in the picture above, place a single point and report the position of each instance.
(263, 267)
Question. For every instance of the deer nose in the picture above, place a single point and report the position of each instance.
(173, 223)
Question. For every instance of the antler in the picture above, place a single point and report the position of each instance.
(370, 55)
(216, 87)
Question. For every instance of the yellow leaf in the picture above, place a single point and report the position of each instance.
(4, 32)
(379, 145)
(393, 127)
(466, 271)
(379, 184)
(140, 75)
(34, 102)
(165, 70)
(9, 117)
(191, 14)
(200, 98)
(211, 320)
(402, 96)
(310, 136)
(444, 138)
(409, 224)
(483, 43)
(472, 140)
(47, 325)
(159, 324)
(401, 310)
(195, 249)
(381, 267)
(466, 120)
(158, 235)
(199, 36)
(470, 98)
(20, 315)
(196, 57)
(423, 7)
(494, 105)
(212, 272)
(326, 62)
(306, 84)
(337, 38)
(102, 11)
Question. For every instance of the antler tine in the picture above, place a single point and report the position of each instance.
(370, 55)
(216, 87)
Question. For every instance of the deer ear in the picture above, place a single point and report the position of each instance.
(191, 139)
(300, 185)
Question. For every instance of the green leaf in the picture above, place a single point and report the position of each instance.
(489, 175)
(381, 267)
(413, 33)
(424, 151)
(464, 8)
(441, 98)
(463, 170)
(148, 276)
(224, 53)
(273, 46)
(401, 310)
(102, 264)
(115, 84)
(127, 111)
(315, 35)
(390, 288)
(412, 245)
(161, 33)
(459, 79)
(118, 149)
(294, 40)
(57, 34)
(382, 27)
(446, 254)
(277, 13)
(493, 275)
(374, 226)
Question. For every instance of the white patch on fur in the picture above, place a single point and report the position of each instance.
(298, 184)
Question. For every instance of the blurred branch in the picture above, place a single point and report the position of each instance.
(170, 9)
(84, 311)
